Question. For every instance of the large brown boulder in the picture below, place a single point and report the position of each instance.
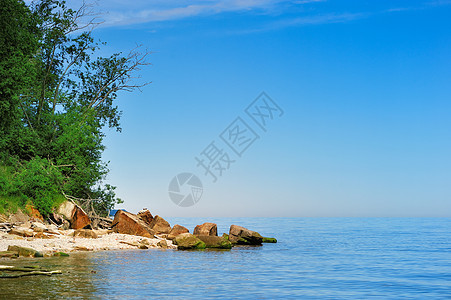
(160, 225)
(128, 223)
(243, 236)
(206, 229)
(176, 230)
(187, 241)
(218, 242)
(146, 216)
(79, 219)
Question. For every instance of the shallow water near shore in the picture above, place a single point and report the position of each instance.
(315, 258)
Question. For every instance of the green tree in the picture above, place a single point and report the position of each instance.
(18, 43)
(54, 115)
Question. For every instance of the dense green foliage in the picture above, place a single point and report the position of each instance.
(56, 95)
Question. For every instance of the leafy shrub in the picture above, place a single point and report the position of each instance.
(40, 181)
(11, 204)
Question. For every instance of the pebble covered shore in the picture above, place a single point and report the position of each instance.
(64, 242)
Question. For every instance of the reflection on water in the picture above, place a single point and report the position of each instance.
(75, 282)
(314, 259)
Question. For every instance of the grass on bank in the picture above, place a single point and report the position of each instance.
(32, 184)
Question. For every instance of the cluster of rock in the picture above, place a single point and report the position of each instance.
(206, 236)
(203, 236)
(70, 216)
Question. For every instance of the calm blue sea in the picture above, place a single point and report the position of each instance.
(316, 258)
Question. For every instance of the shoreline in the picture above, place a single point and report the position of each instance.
(64, 241)
(24, 236)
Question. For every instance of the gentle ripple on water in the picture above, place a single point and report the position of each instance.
(316, 258)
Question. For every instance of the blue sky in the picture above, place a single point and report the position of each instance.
(365, 89)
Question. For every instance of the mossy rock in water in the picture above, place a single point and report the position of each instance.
(218, 242)
(269, 240)
(24, 251)
(187, 241)
(243, 236)
(60, 254)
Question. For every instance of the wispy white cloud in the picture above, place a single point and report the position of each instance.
(125, 12)
(304, 21)
(174, 10)
(322, 19)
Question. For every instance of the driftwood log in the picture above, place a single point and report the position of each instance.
(6, 226)
(10, 271)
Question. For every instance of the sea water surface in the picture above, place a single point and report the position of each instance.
(315, 258)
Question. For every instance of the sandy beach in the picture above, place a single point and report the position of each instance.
(65, 242)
